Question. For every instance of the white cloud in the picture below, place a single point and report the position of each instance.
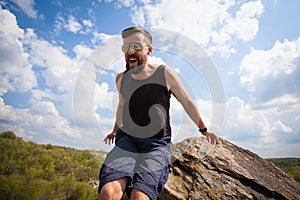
(156, 60)
(196, 19)
(209, 23)
(284, 103)
(27, 7)
(58, 23)
(272, 78)
(16, 71)
(177, 70)
(87, 26)
(244, 123)
(7, 112)
(182, 125)
(72, 25)
(270, 74)
(223, 50)
(272, 150)
(48, 118)
(138, 16)
(87, 23)
(82, 52)
(245, 24)
(280, 127)
(261, 130)
(99, 38)
(60, 70)
(108, 54)
(124, 3)
(41, 123)
(44, 117)
(39, 106)
(104, 98)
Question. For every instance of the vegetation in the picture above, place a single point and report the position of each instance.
(290, 165)
(32, 171)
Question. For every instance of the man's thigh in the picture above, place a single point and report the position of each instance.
(157, 156)
(119, 163)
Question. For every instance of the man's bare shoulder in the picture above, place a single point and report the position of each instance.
(172, 80)
(119, 76)
(169, 73)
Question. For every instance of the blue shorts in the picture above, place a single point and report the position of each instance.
(145, 161)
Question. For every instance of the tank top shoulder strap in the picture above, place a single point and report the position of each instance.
(159, 75)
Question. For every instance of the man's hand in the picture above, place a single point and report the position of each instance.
(211, 138)
(110, 138)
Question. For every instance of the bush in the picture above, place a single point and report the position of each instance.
(8, 135)
(32, 171)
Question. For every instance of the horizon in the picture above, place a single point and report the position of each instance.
(103, 151)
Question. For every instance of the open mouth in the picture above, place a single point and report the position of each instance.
(133, 61)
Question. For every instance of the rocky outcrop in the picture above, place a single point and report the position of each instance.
(224, 171)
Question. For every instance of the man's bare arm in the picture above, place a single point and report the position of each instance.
(118, 123)
(175, 86)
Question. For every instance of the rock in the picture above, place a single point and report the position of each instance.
(224, 171)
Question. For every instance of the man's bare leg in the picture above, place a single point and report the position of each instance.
(138, 195)
(113, 190)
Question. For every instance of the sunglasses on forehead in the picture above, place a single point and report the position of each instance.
(135, 46)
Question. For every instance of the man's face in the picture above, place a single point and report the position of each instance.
(136, 57)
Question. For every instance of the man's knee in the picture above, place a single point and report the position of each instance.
(138, 195)
(107, 192)
(113, 190)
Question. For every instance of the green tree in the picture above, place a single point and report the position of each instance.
(8, 135)
(32, 171)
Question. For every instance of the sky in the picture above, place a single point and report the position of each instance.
(239, 60)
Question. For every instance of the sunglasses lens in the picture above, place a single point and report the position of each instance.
(135, 46)
(125, 47)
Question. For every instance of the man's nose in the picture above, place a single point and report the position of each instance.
(130, 51)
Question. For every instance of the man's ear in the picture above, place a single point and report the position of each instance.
(149, 50)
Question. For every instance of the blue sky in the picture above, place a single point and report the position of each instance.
(59, 60)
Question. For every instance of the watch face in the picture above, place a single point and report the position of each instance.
(203, 130)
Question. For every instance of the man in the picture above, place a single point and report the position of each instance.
(140, 161)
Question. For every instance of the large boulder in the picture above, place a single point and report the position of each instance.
(224, 171)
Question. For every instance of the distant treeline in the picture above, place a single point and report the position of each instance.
(32, 171)
(290, 165)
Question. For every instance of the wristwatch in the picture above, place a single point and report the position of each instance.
(203, 130)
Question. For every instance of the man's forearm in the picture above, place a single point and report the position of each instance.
(115, 127)
(194, 114)
(118, 122)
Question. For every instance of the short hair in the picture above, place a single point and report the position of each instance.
(137, 29)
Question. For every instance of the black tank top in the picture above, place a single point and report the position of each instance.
(146, 105)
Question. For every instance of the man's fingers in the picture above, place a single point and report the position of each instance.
(209, 139)
(212, 139)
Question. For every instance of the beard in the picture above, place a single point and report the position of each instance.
(131, 58)
(134, 63)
